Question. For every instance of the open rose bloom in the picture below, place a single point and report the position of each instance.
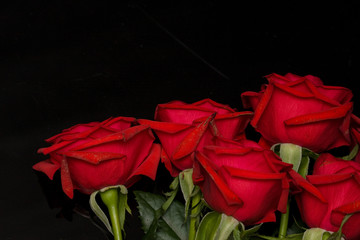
(339, 182)
(183, 128)
(243, 180)
(302, 111)
(101, 154)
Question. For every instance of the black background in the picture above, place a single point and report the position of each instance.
(68, 62)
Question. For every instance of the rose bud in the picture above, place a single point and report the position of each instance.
(302, 111)
(101, 154)
(339, 182)
(183, 128)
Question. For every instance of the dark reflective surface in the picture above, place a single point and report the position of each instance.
(63, 63)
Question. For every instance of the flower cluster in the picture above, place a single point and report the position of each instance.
(230, 183)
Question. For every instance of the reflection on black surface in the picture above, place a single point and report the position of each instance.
(66, 208)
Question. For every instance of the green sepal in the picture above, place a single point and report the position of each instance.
(309, 153)
(338, 235)
(115, 199)
(208, 226)
(187, 188)
(304, 166)
(314, 234)
(298, 226)
(248, 233)
(335, 236)
(217, 226)
(353, 153)
(227, 226)
(236, 234)
(322, 234)
(291, 153)
(123, 208)
(99, 212)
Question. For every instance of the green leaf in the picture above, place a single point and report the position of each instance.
(208, 226)
(151, 232)
(171, 225)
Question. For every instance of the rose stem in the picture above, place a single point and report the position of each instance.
(110, 198)
(284, 222)
(289, 153)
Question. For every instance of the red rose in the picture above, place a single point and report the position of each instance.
(355, 134)
(302, 111)
(183, 128)
(339, 182)
(96, 155)
(243, 180)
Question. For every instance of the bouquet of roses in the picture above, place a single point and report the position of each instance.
(286, 184)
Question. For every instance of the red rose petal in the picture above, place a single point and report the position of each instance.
(54, 147)
(262, 105)
(333, 113)
(350, 208)
(250, 99)
(235, 172)
(164, 126)
(173, 170)
(94, 157)
(66, 181)
(190, 142)
(120, 123)
(229, 196)
(329, 179)
(149, 166)
(299, 180)
(47, 167)
(124, 135)
(217, 107)
(180, 113)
